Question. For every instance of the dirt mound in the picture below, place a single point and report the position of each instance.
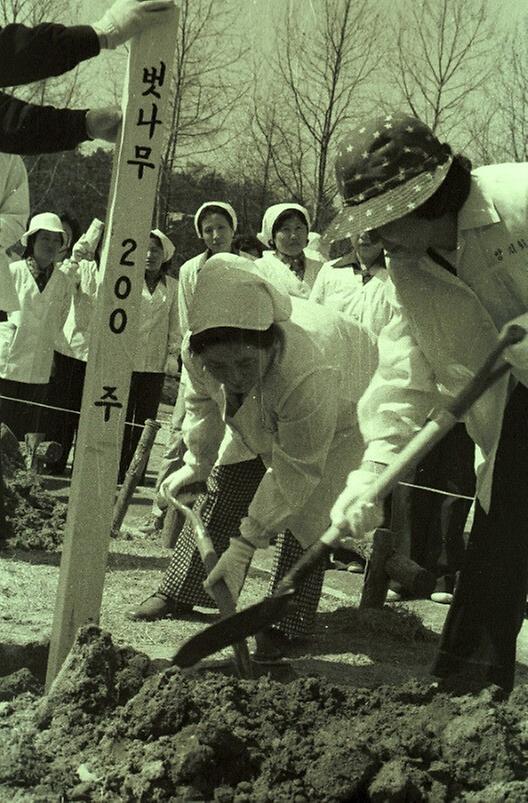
(34, 518)
(113, 728)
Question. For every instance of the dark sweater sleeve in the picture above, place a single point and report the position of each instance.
(25, 128)
(31, 54)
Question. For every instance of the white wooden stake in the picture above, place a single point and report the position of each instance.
(137, 159)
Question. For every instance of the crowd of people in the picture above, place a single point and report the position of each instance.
(302, 377)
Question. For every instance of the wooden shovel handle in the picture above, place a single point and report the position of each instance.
(221, 593)
(414, 452)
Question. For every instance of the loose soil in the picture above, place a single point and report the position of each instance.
(352, 716)
(115, 728)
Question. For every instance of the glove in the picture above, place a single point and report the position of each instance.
(251, 530)
(171, 487)
(232, 567)
(103, 123)
(351, 513)
(86, 245)
(126, 18)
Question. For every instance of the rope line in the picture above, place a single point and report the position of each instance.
(142, 426)
(437, 491)
(59, 409)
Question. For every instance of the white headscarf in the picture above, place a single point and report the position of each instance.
(229, 292)
(166, 244)
(226, 207)
(271, 215)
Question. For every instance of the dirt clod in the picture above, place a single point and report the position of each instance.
(112, 728)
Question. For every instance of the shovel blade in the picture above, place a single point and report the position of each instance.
(233, 629)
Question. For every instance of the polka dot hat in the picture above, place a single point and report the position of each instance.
(385, 169)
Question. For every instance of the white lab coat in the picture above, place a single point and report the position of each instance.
(280, 276)
(301, 419)
(28, 337)
(159, 326)
(445, 326)
(187, 278)
(342, 289)
(14, 213)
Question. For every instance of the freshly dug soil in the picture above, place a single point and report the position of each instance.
(35, 519)
(115, 728)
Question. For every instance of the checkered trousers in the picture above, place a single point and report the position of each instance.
(230, 489)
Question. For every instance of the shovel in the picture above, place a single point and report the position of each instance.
(264, 613)
(219, 590)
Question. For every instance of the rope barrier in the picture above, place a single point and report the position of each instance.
(59, 409)
(437, 491)
(142, 426)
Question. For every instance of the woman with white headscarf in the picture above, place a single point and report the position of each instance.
(215, 222)
(28, 334)
(289, 264)
(158, 337)
(274, 377)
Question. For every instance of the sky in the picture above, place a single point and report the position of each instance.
(256, 21)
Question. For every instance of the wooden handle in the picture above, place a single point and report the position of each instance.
(134, 472)
(417, 448)
(304, 565)
(220, 592)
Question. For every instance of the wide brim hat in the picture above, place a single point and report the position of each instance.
(45, 221)
(385, 169)
(223, 205)
(231, 292)
(272, 214)
(166, 244)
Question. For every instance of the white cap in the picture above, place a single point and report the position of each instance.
(166, 244)
(45, 221)
(226, 207)
(271, 216)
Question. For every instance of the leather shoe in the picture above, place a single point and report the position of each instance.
(157, 606)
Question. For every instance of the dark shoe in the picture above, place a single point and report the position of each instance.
(157, 606)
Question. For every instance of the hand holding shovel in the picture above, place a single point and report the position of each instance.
(262, 614)
(219, 590)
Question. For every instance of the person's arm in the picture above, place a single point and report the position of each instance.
(400, 396)
(174, 339)
(25, 128)
(306, 428)
(203, 427)
(31, 54)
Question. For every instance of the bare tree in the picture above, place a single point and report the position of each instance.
(499, 126)
(443, 55)
(207, 85)
(323, 59)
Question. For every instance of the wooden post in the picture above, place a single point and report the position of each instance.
(146, 97)
(134, 472)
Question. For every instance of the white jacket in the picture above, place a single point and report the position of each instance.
(301, 419)
(187, 278)
(445, 325)
(28, 337)
(343, 290)
(159, 326)
(280, 276)
(14, 213)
